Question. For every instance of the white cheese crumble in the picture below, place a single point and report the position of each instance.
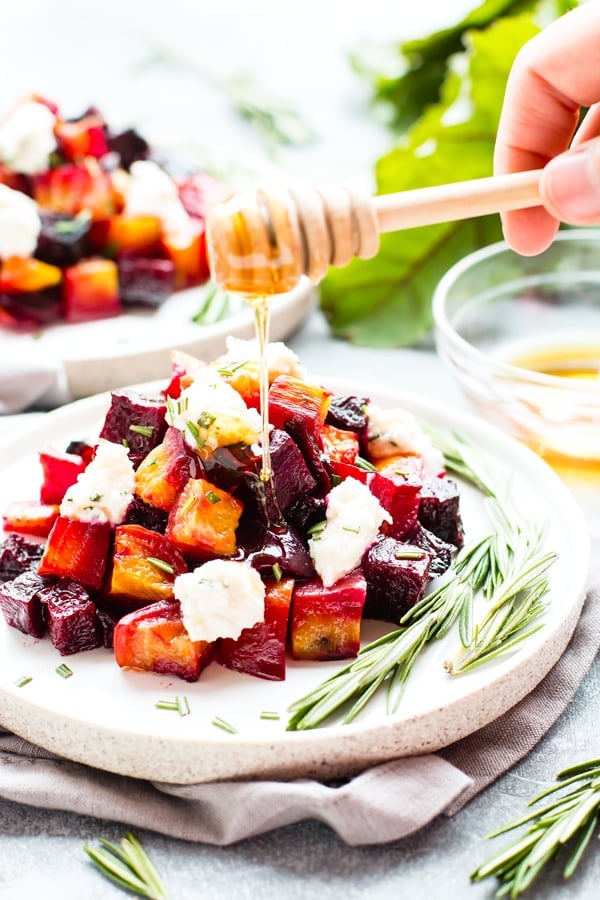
(219, 599)
(104, 489)
(20, 223)
(353, 518)
(212, 414)
(27, 138)
(394, 431)
(150, 191)
(280, 359)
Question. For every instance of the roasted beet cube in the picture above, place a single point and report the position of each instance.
(399, 495)
(339, 444)
(82, 137)
(129, 145)
(107, 619)
(260, 650)
(143, 568)
(311, 446)
(72, 619)
(91, 290)
(33, 308)
(441, 552)
(203, 521)
(189, 258)
(136, 422)
(83, 449)
(30, 517)
(306, 512)
(63, 240)
(275, 549)
(77, 550)
(59, 472)
(154, 639)
(20, 602)
(71, 189)
(145, 282)
(18, 555)
(23, 275)
(397, 575)
(291, 398)
(325, 621)
(291, 475)
(141, 513)
(439, 510)
(349, 412)
(163, 473)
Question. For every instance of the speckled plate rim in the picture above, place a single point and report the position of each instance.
(116, 727)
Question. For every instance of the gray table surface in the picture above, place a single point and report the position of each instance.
(298, 45)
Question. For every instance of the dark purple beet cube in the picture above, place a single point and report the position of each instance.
(441, 552)
(306, 512)
(136, 422)
(439, 510)
(349, 413)
(32, 308)
(145, 282)
(72, 617)
(306, 442)
(21, 603)
(18, 555)
(129, 145)
(141, 513)
(107, 619)
(63, 240)
(397, 575)
(291, 476)
(265, 548)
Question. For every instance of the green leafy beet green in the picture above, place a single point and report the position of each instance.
(386, 301)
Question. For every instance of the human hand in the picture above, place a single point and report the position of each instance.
(553, 77)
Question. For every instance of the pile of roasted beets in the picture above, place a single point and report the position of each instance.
(93, 585)
(92, 261)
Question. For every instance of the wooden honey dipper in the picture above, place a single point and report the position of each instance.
(262, 243)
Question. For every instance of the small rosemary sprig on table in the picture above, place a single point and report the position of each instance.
(508, 565)
(571, 818)
(127, 865)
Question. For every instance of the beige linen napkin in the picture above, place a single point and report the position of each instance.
(381, 804)
(28, 380)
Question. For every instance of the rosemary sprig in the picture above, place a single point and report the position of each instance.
(127, 865)
(508, 565)
(571, 818)
(216, 306)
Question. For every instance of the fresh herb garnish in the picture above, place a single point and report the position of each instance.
(146, 430)
(218, 722)
(212, 497)
(508, 565)
(188, 505)
(364, 464)
(64, 671)
(409, 554)
(316, 530)
(568, 820)
(276, 570)
(215, 307)
(23, 680)
(179, 704)
(161, 564)
(269, 714)
(127, 865)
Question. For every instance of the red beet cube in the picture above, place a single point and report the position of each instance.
(325, 622)
(399, 495)
(77, 550)
(30, 517)
(91, 290)
(60, 471)
(397, 575)
(136, 422)
(18, 555)
(291, 398)
(72, 620)
(20, 602)
(260, 650)
(145, 282)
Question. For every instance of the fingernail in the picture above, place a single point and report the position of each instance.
(571, 184)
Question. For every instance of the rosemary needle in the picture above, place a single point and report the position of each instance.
(569, 819)
(127, 865)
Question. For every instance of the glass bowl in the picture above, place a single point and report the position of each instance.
(522, 336)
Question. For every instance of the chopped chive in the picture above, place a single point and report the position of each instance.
(183, 706)
(409, 554)
(188, 505)
(269, 714)
(125, 444)
(193, 429)
(206, 419)
(225, 726)
(317, 528)
(364, 464)
(146, 430)
(96, 498)
(64, 671)
(276, 570)
(349, 528)
(401, 472)
(335, 480)
(167, 704)
(23, 680)
(161, 564)
(212, 497)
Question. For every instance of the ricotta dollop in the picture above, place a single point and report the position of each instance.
(219, 599)
(352, 521)
(27, 138)
(281, 360)
(395, 431)
(104, 490)
(150, 191)
(20, 223)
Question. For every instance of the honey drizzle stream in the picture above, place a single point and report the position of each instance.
(260, 306)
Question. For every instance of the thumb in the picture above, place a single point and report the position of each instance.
(570, 185)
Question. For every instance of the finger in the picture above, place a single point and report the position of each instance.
(589, 128)
(570, 185)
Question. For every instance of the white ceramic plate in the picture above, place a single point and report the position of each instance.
(135, 346)
(107, 718)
